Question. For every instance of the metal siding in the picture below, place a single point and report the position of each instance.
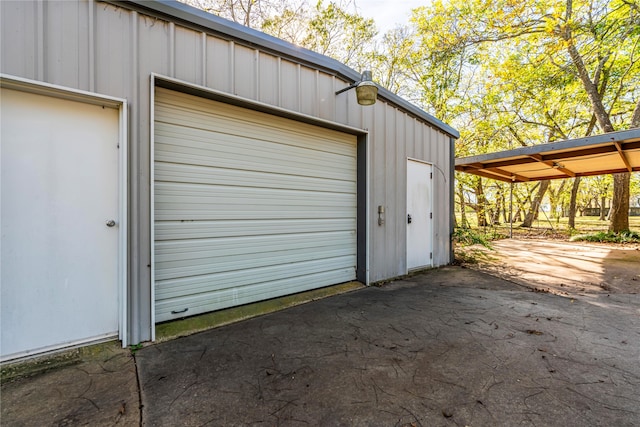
(326, 105)
(308, 92)
(188, 55)
(66, 39)
(390, 190)
(354, 110)
(246, 213)
(245, 70)
(113, 42)
(269, 82)
(378, 198)
(340, 102)
(400, 180)
(218, 64)
(20, 44)
(113, 50)
(289, 85)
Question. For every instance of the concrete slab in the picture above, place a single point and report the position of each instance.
(448, 347)
(96, 386)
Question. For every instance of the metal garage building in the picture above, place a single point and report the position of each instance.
(161, 162)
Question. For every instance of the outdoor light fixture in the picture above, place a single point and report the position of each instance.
(366, 90)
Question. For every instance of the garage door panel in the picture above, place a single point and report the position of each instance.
(189, 270)
(203, 303)
(208, 265)
(195, 174)
(177, 230)
(252, 146)
(251, 155)
(195, 196)
(227, 119)
(195, 127)
(170, 253)
(247, 206)
(175, 288)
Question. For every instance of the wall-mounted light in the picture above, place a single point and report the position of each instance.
(366, 89)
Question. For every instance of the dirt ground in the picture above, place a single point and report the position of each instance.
(560, 267)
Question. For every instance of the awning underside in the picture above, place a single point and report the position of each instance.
(597, 155)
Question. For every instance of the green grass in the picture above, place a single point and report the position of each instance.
(606, 237)
(548, 229)
(584, 224)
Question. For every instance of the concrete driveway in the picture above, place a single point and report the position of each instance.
(451, 346)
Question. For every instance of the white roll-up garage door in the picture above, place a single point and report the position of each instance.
(248, 206)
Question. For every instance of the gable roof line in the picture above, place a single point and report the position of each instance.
(183, 13)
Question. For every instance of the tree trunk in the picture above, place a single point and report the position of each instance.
(482, 204)
(603, 212)
(535, 205)
(572, 203)
(495, 215)
(463, 207)
(619, 218)
(619, 214)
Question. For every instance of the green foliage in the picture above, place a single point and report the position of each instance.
(468, 237)
(608, 237)
(134, 348)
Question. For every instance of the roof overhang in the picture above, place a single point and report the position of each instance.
(608, 153)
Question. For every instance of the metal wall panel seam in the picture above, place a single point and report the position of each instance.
(152, 197)
(40, 41)
(172, 49)
(279, 81)
(232, 68)
(299, 88)
(138, 325)
(124, 223)
(316, 105)
(92, 47)
(203, 56)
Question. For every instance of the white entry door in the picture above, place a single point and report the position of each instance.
(419, 215)
(59, 250)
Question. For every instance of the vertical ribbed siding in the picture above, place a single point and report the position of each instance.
(114, 50)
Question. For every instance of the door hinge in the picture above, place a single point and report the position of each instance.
(430, 175)
(430, 215)
(430, 255)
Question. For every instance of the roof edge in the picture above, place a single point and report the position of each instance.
(622, 135)
(176, 11)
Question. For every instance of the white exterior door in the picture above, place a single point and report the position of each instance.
(247, 206)
(59, 188)
(419, 215)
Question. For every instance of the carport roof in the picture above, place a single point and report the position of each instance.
(595, 155)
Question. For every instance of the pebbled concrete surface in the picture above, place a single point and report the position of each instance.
(448, 347)
(96, 389)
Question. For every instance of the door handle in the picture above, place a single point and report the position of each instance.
(408, 218)
(110, 223)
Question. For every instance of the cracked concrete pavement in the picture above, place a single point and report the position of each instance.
(450, 346)
(447, 347)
